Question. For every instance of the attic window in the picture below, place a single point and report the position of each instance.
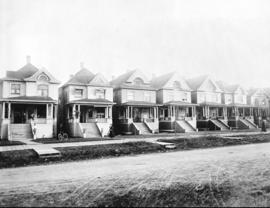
(43, 77)
(176, 85)
(138, 81)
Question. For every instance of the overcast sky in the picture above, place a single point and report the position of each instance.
(229, 40)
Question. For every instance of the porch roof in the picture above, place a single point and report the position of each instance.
(212, 104)
(140, 103)
(30, 99)
(239, 105)
(92, 101)
(180, 103)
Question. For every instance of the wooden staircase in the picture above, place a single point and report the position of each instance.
(143, 128)
(21, 131)
(220, 125)
(247, 123)
(185, 125)
(91, 130)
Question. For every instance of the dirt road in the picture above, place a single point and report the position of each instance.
(81, 183)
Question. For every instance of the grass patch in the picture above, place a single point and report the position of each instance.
(30, 157)
(5, 142)
(17, 158)
(54, 140)
(115, 150)
(215, 141)
(175, 195)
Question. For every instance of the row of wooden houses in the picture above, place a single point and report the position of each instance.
(87, 105)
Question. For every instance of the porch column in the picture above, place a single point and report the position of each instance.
(47, 113)
(73, 111)
(9, 110)
(251, 111)
(55, 111)
(244, 112)
(3, 110)
(235, 111)
(203, 110)
(106, 112)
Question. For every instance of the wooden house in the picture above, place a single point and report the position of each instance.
(136, 111)
(211, 112)
(85, 105)
(176, 113)
(28, 103)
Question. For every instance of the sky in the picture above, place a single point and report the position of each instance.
(229, 40)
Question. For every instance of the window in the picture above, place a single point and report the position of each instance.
(78, 93)
(138, 81)
(239, 99)
(170, 96)
(100, 93)
(15, 89)
(130, 95)
(214, 98)
(43, 90)
(147, 97)
(184, 97)
(43, 77)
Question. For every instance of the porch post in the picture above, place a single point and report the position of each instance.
(73, 110)
(244, 112)
(47, 113)
(9, 110)
(3, 110)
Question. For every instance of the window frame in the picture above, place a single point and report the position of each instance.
(76, 94)
(15, 92)
(41, 91)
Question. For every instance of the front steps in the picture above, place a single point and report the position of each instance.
(21, 131)
(142, 128)
(220, 125)
(185, 126)
(246, 124)
(91, 130)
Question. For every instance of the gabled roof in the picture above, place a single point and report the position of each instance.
(196, 82)
(230, 88)
(253, 91)
(161, 81)
(122, 78)
(125, 80)
(85, 77)
(26, 71)
(29, 72)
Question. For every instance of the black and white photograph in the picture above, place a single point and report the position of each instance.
(134, 103)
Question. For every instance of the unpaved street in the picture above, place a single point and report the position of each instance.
(93, 178)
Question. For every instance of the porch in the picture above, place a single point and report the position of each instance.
(239, 112)
(138, 114)
(88, 113)
(206, 112)
(28, 114)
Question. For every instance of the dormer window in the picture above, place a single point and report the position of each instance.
(100, 93)
(15, 89)
(78, 93)
(43, 90)
(138, 81)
